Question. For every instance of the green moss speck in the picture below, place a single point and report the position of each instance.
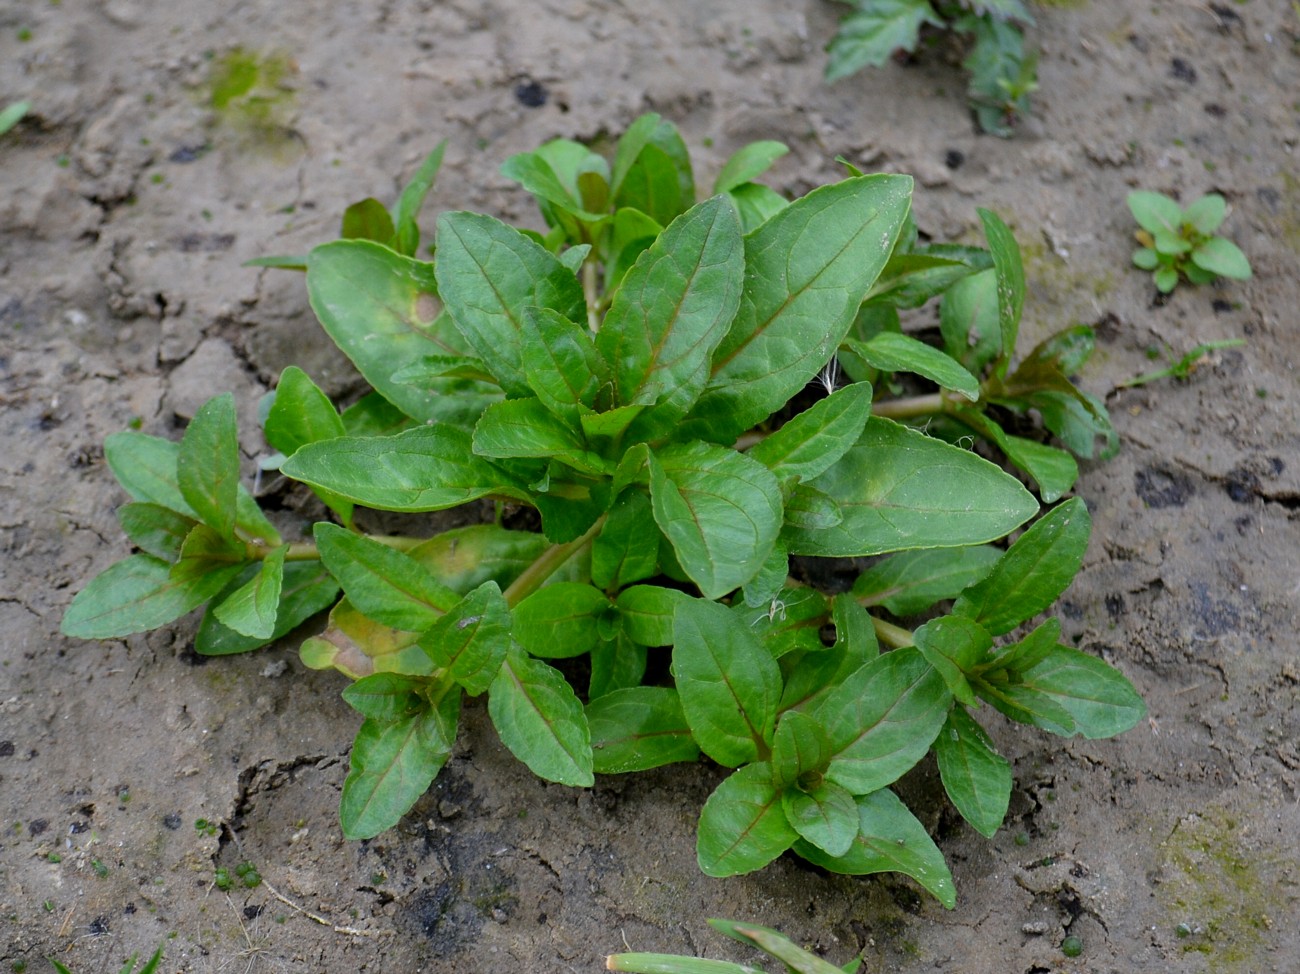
(252, 96)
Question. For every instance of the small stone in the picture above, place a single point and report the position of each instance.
(1034, 928)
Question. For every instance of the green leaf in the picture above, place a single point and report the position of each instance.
(825, 816)
(1166, 279)
(393, 764)
(1098, 697)
(969, 322)
(526, 428)
(882, 719)
(809, 443)
(790, 621)
(1053, 470)
(138, 594)
(471, 641)
(1033, 573)
(899, 489)
(412, 200)
(155, 529)
(145, 466)
(388, 586)
(307, 588)
(910, 582)
(1205, 214)
(742, 826)
(382, 309)
(537, 173)
(895, 352)
(889, 839)
(13, 114)
(748, 163)
(639, 728)
(873, 32)
(808, 509)
(1155, 212)
(1011, 282)
(1146, 258)
(284, 262)
(800, 747)
(806, 271)
(627, 548)
(911, 279)
(560, 362)
(975, 776)
(658, 182)
(561, 620)
(427, 468)
(207, 467)
(639, 962)
(1221, 256)
(368, 220)
(771, 578)
(797, 960)
(386, 696)
(300, 414)
(855, 635)
(616, 665)
(646, 613)
(671, 311)
(811, 676)
(954, 647)
(720, 510)
(1027, 653)
(251, 610)
(487, 274)
(756, 204)
(1026, 704)
(729, 684)
(540, 720)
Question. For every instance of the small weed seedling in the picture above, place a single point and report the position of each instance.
(638, 391)
(1184, 367)
(1002, 74)
(13, 114)
(1181, 243)
(792, 957)
(150, 966)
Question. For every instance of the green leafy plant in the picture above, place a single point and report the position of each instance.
(792, 957)
(1181, 243)
(150, 966)
(1183, 367)
(1003, 75)
(644, 404)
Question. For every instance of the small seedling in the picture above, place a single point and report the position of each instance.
(151, 965)
(1181, 243)
(1184, 367)
(221, 879)
(205, 827)
(13, 114)
(794, 958)
(639, 388)
(1072, 946)
(1003, 75)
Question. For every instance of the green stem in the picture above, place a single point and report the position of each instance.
(896, 637)
(307, 550)
(909, 408)
(547, 564)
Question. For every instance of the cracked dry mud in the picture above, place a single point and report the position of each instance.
(127, 205)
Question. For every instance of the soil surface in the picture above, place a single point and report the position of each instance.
(145, 175)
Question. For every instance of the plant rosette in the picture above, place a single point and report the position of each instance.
(655, 380)
(1178, 243)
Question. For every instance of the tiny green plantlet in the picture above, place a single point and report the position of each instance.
(672, 401)
(150, 966)
(790, 955)
(1180, 243)
(1003, 75)
(1184, 367)
(13, 114)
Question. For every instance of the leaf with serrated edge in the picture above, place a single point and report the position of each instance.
(540, 720)
(912, 581)
(487, 273)
(670, 313)
(1033, 572)
(899, 489)
(975, 776)
(137, 594)
(720, 510)
(472, 639)
(251, 609)
(742, 826)
(427, 468)
(393, 764)
(729, 684)
(207, 468)
(810, 442)
(388, 585)
(882, 719)
(889, 839)
(638, 728)
(806, 271)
